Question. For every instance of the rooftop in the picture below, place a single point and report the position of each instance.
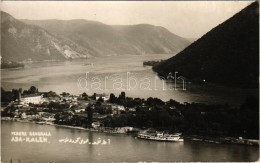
(31, 95)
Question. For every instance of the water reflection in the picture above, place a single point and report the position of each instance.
(90, 138)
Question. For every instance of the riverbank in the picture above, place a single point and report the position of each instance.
(117, 130)
(219, 140)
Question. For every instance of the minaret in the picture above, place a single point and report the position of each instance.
(19, 96)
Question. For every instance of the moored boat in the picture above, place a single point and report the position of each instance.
(160, 136)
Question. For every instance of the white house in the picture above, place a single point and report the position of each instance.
(78, 110)
(121, 108)
(34, 99)
(95, 124)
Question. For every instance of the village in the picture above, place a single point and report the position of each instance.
(50, 108)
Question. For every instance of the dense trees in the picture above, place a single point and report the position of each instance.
(8, 96)
(31, 90)
(58, 105)
(49, 94)
(194, 118)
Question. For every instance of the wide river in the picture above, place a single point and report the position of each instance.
(118, 148)
(107, 71)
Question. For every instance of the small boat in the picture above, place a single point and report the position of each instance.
(160, 136)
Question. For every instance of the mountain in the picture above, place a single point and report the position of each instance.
(226, 55)
(192, 39)
(39, 40)
(23, 42)
(102, 39)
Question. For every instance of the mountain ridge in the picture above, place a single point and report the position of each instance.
(228, 54)
(23, 42)
(105, 39)
(39, 40)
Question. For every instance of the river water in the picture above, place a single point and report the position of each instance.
(121, 147)
(64, 77)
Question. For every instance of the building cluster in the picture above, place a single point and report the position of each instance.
(42, 107)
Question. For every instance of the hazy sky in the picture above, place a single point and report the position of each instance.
(187, 19)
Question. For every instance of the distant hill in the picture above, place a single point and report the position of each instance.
(101, 39)
(228, 54)
(23, 42)
(39, 40)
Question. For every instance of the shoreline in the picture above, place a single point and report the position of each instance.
(223, 140)
(101, 130)
(197, 138)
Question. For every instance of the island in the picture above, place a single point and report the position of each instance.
(10, 64)
(221, 123)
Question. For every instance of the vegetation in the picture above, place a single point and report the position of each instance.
(151, 63)
(31, 90)
(11, 64)
(194, 118)
(8, 96)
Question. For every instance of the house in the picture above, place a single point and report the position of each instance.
(106, 106)
(123, 129)
(50, 119)
(23, 116)
(121, 108)
(78, 110)
(69, 98)
(32, 98)
(117, 109)
(95, 124)
(132, 109)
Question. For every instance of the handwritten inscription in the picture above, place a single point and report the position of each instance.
(80, 140)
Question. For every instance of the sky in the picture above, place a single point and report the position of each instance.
(190, 19)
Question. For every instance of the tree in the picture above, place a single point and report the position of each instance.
(94, 96)
(6, 96)
(122, 96)
(32, 90)
(112, 98)
(65, 94)
(100, 99)
(15, 94)
(85, 96)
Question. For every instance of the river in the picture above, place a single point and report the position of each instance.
(121, 147)
(64, 77)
